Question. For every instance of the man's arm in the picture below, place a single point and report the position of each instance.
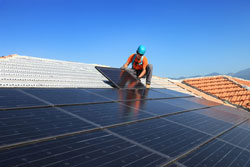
(142, 73)
(128, 62)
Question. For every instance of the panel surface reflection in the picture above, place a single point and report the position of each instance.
(128, 94)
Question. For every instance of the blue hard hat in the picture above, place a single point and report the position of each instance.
(141, 49)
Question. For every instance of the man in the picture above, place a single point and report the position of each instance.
(140, 66)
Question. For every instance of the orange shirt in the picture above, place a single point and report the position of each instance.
(136, 65)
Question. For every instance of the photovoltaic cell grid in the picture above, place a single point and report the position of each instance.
(15, 98)
(116, 127)
(231, 149)
(23, 98)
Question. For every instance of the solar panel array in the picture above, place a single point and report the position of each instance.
(119, 127)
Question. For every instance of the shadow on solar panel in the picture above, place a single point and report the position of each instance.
(120, 78)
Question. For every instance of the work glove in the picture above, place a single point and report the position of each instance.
(122, 68)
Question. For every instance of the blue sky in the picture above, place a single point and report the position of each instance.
(183, 37)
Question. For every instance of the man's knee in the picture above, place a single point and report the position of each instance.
(149, 67)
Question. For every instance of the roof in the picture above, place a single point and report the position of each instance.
(64, 125)
(224, 88)
(32, 72)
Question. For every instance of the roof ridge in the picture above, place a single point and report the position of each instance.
(243, 82)
(9, 56)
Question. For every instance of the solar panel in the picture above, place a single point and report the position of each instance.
(120, 127)
(114, 113)
(15, 98)
(218, 153)
(26, 98)
(221, 150)
(64, 96)
(161, 135)
(108, 114)
(24, 125)
(125, 111)
(239, 136)
(154, 107)
(131, 94)
(223, 115)
(171, 92)
(202, 101)
(93, 149)
(186, 103)
(120, 78)
(202, 122)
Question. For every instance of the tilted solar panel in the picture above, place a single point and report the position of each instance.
(120, 78)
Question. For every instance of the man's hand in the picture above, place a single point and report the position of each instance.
(124, 67)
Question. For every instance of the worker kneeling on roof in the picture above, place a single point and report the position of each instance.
(140, 66)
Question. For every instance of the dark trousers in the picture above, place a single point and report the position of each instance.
(148, 75)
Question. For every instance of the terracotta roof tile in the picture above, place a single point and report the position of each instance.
(223, 88)
(234, 98)
(241, 98)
